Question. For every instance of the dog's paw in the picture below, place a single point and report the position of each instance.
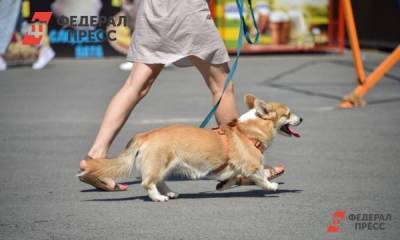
(220, 186)
(161, 198)
(273, 186)
(172, 195)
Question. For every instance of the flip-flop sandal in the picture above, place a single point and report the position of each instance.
(274, 174)
(100, 184)
(117, 187)
(120, 187)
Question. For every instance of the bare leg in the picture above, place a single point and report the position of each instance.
(215, 75)
(134, 89)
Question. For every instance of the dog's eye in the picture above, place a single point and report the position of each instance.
(288, 116)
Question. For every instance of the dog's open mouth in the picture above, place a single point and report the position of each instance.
(286, 129)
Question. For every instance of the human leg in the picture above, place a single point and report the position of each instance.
(134, 89)
(215, 75)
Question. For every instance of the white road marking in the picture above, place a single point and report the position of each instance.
(318, 109)
(167, 121)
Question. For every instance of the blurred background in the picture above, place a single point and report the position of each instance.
(295, 26)
(344, 160)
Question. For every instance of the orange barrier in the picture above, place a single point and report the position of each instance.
(365, 83)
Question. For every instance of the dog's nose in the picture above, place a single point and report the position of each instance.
(301, 120)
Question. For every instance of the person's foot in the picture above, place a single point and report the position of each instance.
(270, 172)
(106, 184)
(46, 54)
(274, 172)
(3, 64)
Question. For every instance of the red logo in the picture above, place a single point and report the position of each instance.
(43, 18)
(337, 219)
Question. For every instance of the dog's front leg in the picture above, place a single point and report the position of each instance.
(226, 184)
(262, 181)
(165, 190)
(154, 194)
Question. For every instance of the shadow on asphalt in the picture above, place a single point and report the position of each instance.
(171, 178)
(251, 193)
(381, 101)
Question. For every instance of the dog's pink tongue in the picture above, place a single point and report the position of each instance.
(295, 134)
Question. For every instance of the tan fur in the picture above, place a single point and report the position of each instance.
(195, 151)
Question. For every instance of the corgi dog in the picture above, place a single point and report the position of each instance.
(222, 153)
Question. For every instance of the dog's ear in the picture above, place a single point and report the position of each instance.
(249, 100)
(264, 110)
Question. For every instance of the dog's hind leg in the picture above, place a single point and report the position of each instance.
(165, 190)
(153, 173)
(261, 180)
(150, 177)
(152, 190)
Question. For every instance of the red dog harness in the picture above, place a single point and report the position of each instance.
(225, 142)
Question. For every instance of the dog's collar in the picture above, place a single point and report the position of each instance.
(222, 133)
(225, 142)
(257, 143)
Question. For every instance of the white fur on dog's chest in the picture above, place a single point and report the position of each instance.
(249, 115)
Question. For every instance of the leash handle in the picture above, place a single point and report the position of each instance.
(244, 31)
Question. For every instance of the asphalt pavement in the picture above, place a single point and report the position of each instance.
(345, 160)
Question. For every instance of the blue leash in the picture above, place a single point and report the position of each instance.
(244, 31)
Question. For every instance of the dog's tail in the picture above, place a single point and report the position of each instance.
(118, 167)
